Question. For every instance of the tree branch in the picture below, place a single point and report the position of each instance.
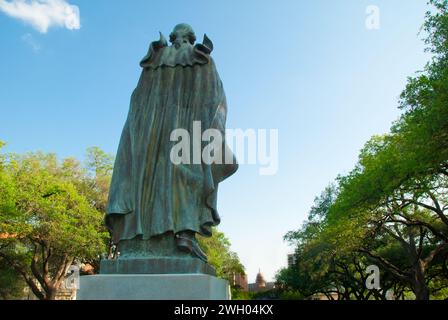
(35, 271)
(392, 268)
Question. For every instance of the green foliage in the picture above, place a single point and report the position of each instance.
(391, 210)
(221, 257)
(46, 221)
(11, 283)
(239, 294)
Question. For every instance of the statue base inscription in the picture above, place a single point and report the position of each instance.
(153, 287)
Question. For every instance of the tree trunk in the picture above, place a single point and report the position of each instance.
(421, 290)
(51, 293)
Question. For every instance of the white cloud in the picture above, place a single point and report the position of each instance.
(43, 14)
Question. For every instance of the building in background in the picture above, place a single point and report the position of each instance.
(260, 284)
(292, 259)
(240, 282)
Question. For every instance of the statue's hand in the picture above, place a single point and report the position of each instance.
(206, 46)
(161, 43)
(207, 43)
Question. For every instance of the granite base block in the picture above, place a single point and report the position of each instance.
(153, 287)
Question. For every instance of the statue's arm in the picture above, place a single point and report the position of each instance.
(154, 47)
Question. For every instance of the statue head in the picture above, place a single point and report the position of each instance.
(182, 33)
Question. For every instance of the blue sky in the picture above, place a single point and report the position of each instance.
(310, 69)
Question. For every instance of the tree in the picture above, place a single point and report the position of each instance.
(409, 213)
(324, 267)
(99, 166)
(221, 257)
(46, 221)
(392, 208)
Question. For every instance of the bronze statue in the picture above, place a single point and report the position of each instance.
(156, 208)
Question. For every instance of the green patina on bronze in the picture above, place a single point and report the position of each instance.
(151, 199)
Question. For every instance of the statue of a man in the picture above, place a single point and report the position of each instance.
(156, 208)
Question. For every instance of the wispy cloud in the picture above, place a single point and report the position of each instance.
(43, 14)
(29, 40)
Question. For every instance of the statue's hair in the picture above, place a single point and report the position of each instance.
(190, 33)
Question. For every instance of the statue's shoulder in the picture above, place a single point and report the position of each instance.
(160, 54)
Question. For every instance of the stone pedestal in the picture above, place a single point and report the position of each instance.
(153, 287)
(156, 265)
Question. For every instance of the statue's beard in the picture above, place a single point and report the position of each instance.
(179, 45)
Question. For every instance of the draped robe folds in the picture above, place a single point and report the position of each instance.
(149, 195)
